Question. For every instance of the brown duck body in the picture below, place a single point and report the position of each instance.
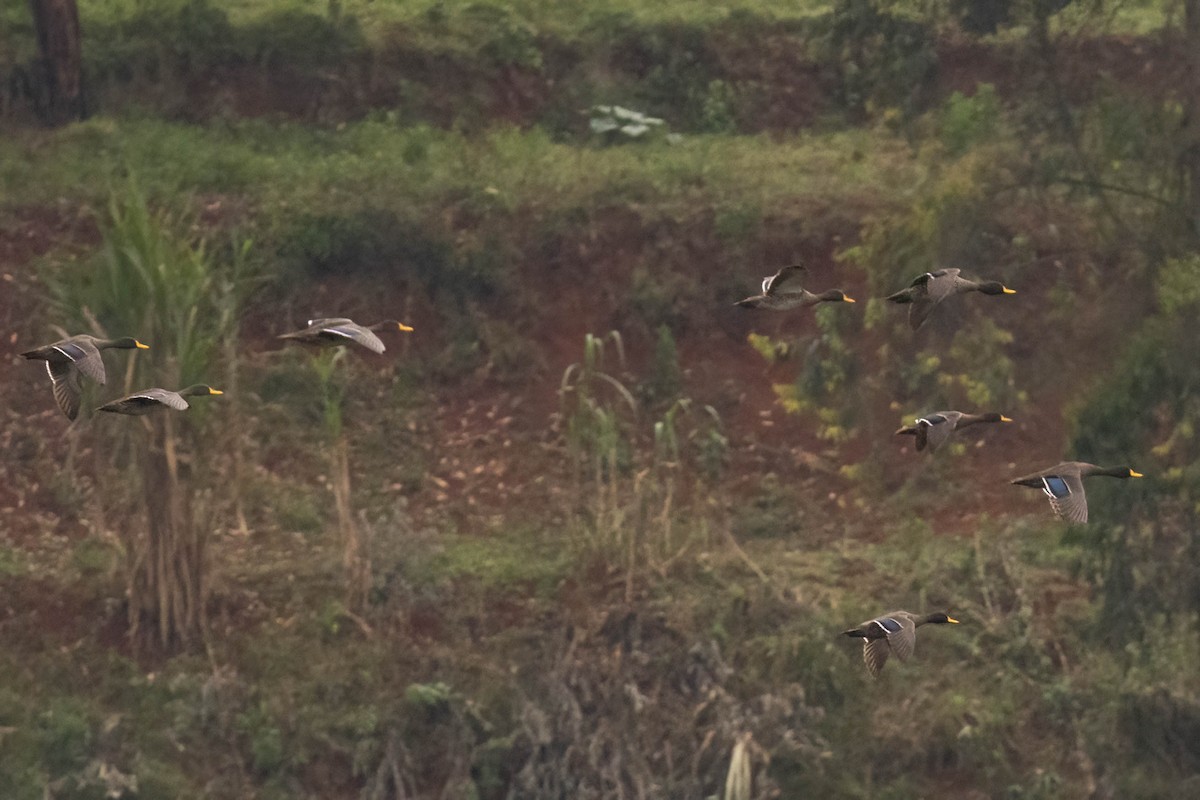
(928, 290)
(148, 400)
(892, 633)
(336, 331)
(783, 292)
(934, 430)
(1063, 484)
(68, 358)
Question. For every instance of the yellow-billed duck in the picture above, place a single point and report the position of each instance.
(66, 359)
(926, 291)
(782, 291)
(339, 331)
(932, 430)
(893, 632)
(1063, 484)
(147, 400)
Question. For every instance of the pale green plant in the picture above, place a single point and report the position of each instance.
(628, 485)
(591, 401)
(150, 280)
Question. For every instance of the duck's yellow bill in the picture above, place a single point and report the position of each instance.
(952, 620)
(1133, 474)
(214, 391)
(848, 299)
(141, 346)
(1009, 291)
(404, 327)
(1005, 419)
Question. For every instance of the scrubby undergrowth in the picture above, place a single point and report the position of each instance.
(617, 565)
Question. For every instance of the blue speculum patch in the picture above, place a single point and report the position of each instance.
(73, 350)
(890, 625)
(1056, 486)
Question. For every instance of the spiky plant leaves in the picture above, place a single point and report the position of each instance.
(151, 278)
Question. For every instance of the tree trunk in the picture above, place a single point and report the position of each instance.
(60, 98)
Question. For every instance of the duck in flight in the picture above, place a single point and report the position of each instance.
(933, 430)
(783, 291)
(143, 402)
(926, 291)
(1063, 484)
(893, 633)
(340, 331)
(66, 359)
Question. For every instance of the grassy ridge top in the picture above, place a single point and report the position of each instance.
(377, 163)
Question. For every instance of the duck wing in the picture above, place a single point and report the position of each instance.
(939, 428)
(353, 332)
(875, 655)
(1067, 497)
(85, 356)
(64, 379)
(161, 397)
(901, 635)
(786, 281)
(929, 290)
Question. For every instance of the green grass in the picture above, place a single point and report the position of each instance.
(563, 17)
(286, 168)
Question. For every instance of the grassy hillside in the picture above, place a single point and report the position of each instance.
(610, 527)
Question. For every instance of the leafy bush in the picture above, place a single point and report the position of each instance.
(884, 58)
(303, 39)
(1144, 413)
(967, 121)
(373, 241)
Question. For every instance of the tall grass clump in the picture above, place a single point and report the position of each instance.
(151, 280)
(632, 481)
(356, 561)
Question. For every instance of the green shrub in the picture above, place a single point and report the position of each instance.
(884, 58)
(303, 39)
(64, 733)
(264, 739)
(368, 241)
(967, 121)
(665, 380)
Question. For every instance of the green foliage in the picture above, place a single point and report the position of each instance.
(1014, 703)
(828, 379)
(666, 379)
(64, 733)
(510, 562)
(302, 39)
(11, 562)
(164, 36)
(503, 38)
(983, 16)
(264, 739)
(884, 58)
(428, 697)
(150, 282)
(968, 121)
(1144, 413)
(718, 108)
(593, 404)
(979, 370)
